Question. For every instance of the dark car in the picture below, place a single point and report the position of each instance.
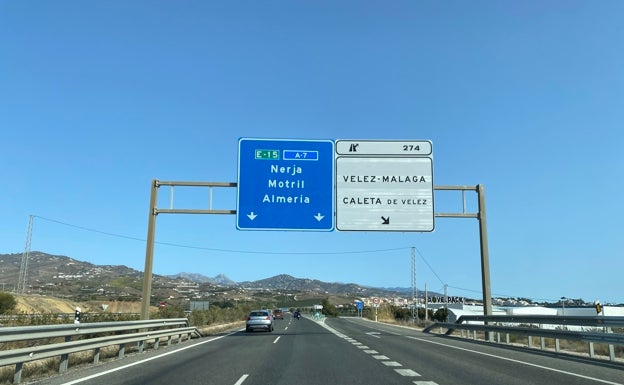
(278, 313)
(259, 319)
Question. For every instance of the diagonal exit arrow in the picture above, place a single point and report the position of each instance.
(386, 221)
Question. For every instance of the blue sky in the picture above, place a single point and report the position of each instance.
(527, 98)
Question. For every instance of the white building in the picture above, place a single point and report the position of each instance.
(457, 310)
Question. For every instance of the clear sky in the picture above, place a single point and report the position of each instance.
(527, 98)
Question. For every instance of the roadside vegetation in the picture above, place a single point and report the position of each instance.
(7, 302)
(401, 316)
(216, 319)
(219, 317)
(390, 314)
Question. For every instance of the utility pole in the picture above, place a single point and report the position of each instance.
(23, 275)
(426, 303)
(414, 289)
(446, 300)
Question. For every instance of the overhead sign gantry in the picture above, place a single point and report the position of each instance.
(367, 185)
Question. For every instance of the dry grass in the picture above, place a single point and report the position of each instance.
(216, 329)
(581, 348)
(38, 304)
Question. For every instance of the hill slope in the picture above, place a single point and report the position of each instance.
(38, 304)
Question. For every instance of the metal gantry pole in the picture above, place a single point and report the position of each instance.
(151, 228)
(149, 252)
(154, 211)
(483, 240)
(485, 254)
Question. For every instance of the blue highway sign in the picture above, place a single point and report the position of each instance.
(285, 185)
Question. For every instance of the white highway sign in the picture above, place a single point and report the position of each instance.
(384, 186)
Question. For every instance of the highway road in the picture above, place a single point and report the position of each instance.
(345, 351)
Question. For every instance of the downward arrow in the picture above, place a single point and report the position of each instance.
(251, 216)
(318, 217)
(386, 221)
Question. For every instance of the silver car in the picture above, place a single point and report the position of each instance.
(259, 319)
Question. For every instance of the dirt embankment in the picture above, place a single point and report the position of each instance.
(37, 304)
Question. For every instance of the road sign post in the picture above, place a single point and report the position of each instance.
(285, 184)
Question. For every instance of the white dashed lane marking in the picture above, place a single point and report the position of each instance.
(407, 372)
(383, 359)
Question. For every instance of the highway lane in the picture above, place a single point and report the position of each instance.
(298, 351)
(345, 351)
(446, 361)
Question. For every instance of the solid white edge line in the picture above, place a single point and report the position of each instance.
(512, 360)
(519, 362)
(147, 359)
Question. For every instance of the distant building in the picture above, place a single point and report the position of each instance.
(457, 310)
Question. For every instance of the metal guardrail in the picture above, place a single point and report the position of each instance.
(41, 344)
(531, 326)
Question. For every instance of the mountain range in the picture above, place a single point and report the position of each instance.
(220, 279)
(65, 276)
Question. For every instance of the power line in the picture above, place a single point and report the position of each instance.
(501, 295)
(220, 250)
(271, 252)
(428, 265)
(89, 229)
(472, 290)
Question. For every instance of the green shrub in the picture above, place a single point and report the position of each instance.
(7, 302)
